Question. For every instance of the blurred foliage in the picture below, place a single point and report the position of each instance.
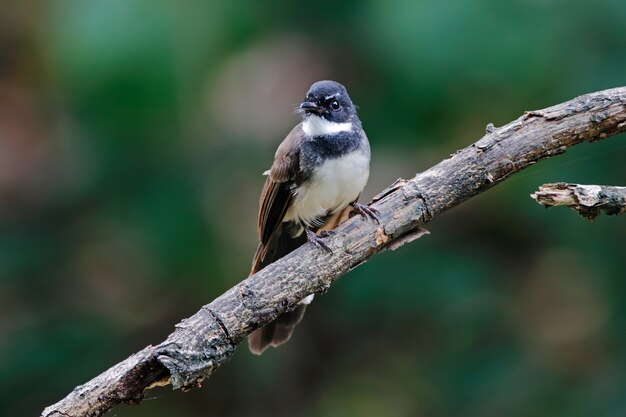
(132, 138)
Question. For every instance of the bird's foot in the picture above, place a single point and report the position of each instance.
(366, 211)
(325, 233)
(315, 239)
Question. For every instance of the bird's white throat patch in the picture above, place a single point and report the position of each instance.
(318, 126)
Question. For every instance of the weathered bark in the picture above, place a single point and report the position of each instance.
(206, 340)
(588, 200)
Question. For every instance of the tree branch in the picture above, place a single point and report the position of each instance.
(588, 200)
(206, 340)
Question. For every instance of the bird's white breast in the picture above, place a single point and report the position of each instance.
(334, 184)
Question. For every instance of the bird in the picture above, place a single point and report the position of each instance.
(319, 171)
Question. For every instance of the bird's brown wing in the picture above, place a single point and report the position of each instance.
(277, 196)
(276, 239)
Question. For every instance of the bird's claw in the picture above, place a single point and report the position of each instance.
(367, 211)
(325, 233)
(315, 239)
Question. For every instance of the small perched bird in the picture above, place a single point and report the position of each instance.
(319, 170)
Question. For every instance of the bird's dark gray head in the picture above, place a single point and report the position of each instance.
(329, 100)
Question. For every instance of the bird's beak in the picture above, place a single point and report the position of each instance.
(311, 107)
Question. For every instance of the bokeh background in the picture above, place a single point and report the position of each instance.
(133, 135)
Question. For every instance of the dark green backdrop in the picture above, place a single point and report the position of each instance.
(133, 135)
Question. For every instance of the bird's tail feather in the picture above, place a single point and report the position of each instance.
(279, 331)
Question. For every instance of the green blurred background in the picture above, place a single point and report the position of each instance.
(133, 135)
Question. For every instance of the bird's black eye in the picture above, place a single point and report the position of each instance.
(335, 105)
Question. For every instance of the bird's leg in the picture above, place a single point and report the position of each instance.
(315, 239)
(366, 211)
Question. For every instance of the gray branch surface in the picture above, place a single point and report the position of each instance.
(588, 200)
(206, 340)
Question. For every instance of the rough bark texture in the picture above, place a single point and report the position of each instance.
(206, 340)
(588, 200)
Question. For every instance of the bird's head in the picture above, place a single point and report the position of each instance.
(330, 101)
